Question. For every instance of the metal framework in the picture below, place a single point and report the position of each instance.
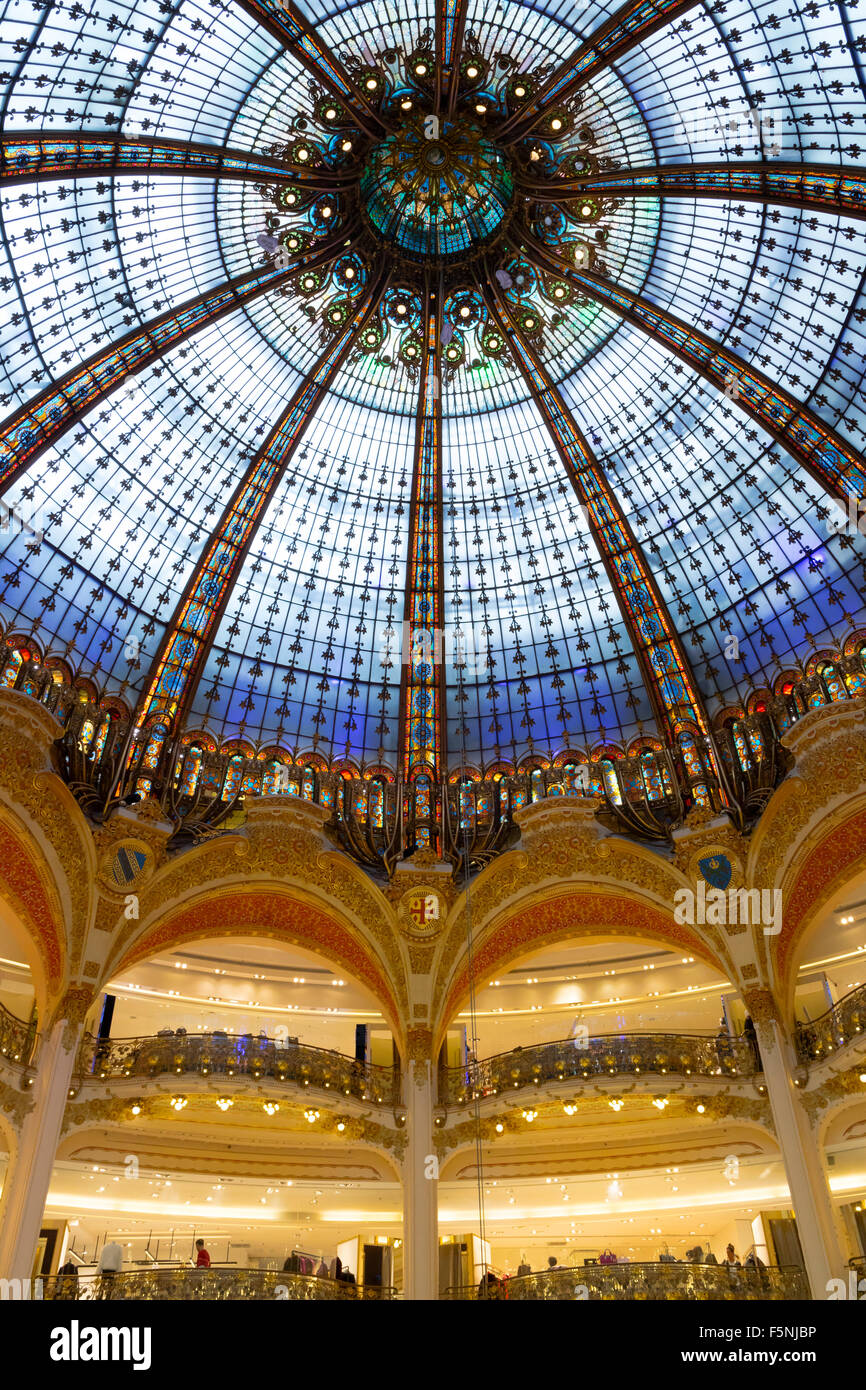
(674, 692)
(30, 430)
(422, 698)
(358, 108)
(55, 155)
(284, 21)
(827, 187)
(629, 26)
(832, 462)
(177, 667)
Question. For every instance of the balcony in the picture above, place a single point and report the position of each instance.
(17, 1038)
(209, 1285)
(629, 1054)
(835, 1028)
(225, 1055)
(629, 1283)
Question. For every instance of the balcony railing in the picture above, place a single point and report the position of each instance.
(833, 1029)
(226, 1055)
(378, 819)
(633, 1282)
(237, 1285)
(632, 1054)
(17, 1038)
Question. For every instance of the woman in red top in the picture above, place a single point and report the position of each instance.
(203, 1260)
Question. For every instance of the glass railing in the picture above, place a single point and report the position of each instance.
(833, 1029)
(227, 1055)
(633, 1054)
(236, 1285)
(633, 1282)
(17, 1038)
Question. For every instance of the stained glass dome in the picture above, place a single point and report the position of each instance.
(501, 439)
(437, 197)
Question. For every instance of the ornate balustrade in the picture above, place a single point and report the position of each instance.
(224, 1055)
(633, 1054)
(183, 1284)
(833, 1029)
(631, 1282)
(376, 818)
(17, 1038)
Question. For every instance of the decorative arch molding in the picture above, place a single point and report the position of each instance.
(279, 849)
(833, 854)
(563, 851)
(274, 911)
(564, 913)
(837, 1099)
(47, 814)
(31, 897)
(106, 1126)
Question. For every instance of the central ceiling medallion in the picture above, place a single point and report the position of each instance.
(437, 191)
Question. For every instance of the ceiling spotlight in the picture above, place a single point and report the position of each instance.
(660, 1102)
(534, 155)
(346, 146)
(303, 154)
(225, 1103)
(701, 1109)
(499, 1126)
(179, 1102)
(520, 91)
(341, 1125)
(311, 1116)
(616, 1105)
(136, 1107)
(371, 84)
(529, 1115)
(270, 1107)
(421, 69)
(556, 124)
(331, 114)
(481, 108)
(406, 104)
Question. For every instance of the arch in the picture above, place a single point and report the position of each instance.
(836, 855)
(32, 911)
(575, 913)
(272, 911)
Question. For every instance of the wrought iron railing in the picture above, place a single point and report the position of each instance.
(631, 1282)
(634, 1054)
(835, 1028)
(227, 1055)
(17, 1037)
(214, 1284)
(107, 761)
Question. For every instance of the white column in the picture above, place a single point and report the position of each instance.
(420, 1188)
(28, 1176)
(804, 1166)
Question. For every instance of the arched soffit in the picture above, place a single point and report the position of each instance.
(571, 914)
(272, 911)
(282, 855)
(46, 811)
(263, 1157)
(30, 905)
(843, 1114)
(834, 854)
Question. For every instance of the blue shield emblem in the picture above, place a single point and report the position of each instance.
(716, 869)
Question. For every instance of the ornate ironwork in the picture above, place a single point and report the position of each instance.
(824, 1035)
(226, 1055)
(652, 1281)
(200, 788)
(831, 187)
(17, 1037)
(216, 1284)
(631, 1054)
